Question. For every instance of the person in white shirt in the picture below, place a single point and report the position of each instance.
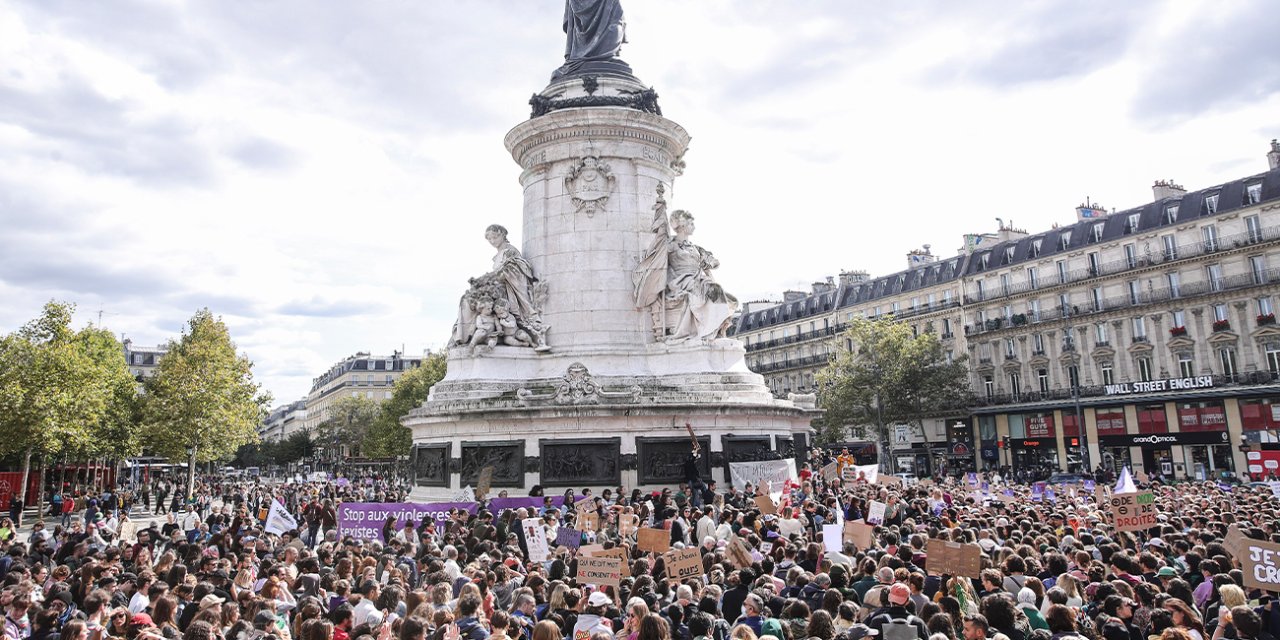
(788, 525)
(451, 564)
(370, 592)
(706, 524)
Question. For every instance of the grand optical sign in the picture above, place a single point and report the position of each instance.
(1157, 386)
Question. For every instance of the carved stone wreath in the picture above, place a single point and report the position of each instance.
(575, 388)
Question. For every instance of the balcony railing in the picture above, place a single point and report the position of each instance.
(1229, 283)
(805, 336)
(1095, 391)
(1162, 256)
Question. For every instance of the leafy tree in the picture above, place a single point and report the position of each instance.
(388, 437)
(61, 392)
(297, 446)
(202, 403)
(116, 434)
(348, 424)
(889, 377)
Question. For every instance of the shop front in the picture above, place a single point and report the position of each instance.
(1212, 456)
(1033, 442)
(960, 448)
(1158, 453)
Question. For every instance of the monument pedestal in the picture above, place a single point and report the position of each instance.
(608, 403)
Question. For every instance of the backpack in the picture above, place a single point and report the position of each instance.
(898, 629)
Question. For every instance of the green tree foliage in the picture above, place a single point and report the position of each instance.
(62, 391)
(889, 377)
(388, 437)
(348, 424)
(298, 446)
(202, 403)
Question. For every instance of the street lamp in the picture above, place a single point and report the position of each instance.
(1075, 398)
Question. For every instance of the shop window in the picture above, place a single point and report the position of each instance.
(1260, 415)
(1111, 421)
(987, 427)
(1151, 419)
(1202, 416)
(1070, 427)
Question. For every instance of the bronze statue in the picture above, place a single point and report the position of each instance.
(594, 32)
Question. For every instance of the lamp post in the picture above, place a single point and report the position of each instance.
(1075, 398)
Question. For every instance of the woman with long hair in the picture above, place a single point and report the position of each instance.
(1185, 618)
(820, 626)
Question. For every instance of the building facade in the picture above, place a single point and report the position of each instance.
(284, 421)
(142, 361)
(1144, 337)
(359, 375)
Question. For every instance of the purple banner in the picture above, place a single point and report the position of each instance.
(364, 520)
(498, 505)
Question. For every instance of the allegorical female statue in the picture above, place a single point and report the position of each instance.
(594, 30)
(503, 306)
(674, 282)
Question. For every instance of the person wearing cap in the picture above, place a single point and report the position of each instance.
(592, 619)
(897, 614)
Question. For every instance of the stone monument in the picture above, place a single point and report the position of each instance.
(578, 359)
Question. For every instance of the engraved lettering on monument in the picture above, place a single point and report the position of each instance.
(675, 284)
(589, 184)
(503, 306)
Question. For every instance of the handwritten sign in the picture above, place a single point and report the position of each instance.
(587, 521)
(683, 564)
(628, 523)
(738, 553)
(1261, 563)
(766, 548)
(653, 540)
(535, 539)
(566, 537)
(875, 513)
(597, 551)
(1134, 511)
(599, 570)
(831, 471)
(953, 558)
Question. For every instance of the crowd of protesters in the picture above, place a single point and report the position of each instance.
(1053, 568)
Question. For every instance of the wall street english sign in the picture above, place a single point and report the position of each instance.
(1157, 386)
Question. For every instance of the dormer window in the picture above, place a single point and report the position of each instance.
(1252, 194)
(983, 260)
(1171, 214)
(1131, 224)
(1097, 231)
(1064, 240)
(1035, 247)
(1210, 206)
(1008, 255)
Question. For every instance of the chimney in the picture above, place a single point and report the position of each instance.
(852, 277)
(1163, 189)
(792, 296)
(822, 286)
(1090, 211)
(1273, 157)
(918, 257)
(1007, 232)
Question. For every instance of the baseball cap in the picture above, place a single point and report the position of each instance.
(141, 620)
(1167, 572)
(598, 599)
(859, 631)
(899, 594)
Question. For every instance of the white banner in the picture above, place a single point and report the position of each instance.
(875, 513)
(536, 539)
(868, 472)
(772, 474)
(832, 537)
(279, 520)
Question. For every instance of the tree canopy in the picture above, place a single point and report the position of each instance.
(347, 426)
(387, 437)
(202, 404)
(889, 377)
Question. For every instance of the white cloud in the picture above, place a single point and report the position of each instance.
(321, 174)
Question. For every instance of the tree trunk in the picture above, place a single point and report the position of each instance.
(191, 473)
(26, 473)
(40, 492)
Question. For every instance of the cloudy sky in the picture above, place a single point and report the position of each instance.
(320, 173)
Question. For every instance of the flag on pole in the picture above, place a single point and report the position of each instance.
(279, 520)
(1125, 485)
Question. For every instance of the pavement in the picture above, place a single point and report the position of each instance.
(144, 518)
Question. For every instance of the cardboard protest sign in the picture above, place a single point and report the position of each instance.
(535, 539)
(831, 471)
(566, 537)
(599, 570)
(875, 513)
(766, 505)
(584, 505)
(617, 552)
(683, 563)
(483, 482)
(1233, 541)
(953, 558)
(653, 540)
(129, 531)
(867, 472)
(587, 521)
(590, 549)
(888, 480)
(628, 523)
(738, 553)
(1134, 511)
(859, 533)
(1261, 564)
(766, 548)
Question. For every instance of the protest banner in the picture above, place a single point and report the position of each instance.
(364, 520)
(129, 531)
(628, 523)
(653, 540)
(771, 474)
(765, 505)
(570, 538)
(953, 558)
(868, 472)
(1260, 562)
(535, 539)
(617, 552)
(875, 512)
(683, 564)
(483, 482)
(766, 548)
(1232, 542)
(830, 472)
(600, 570)
(738, 553)
(1134, 511)
(859, 533)
(279, 520)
